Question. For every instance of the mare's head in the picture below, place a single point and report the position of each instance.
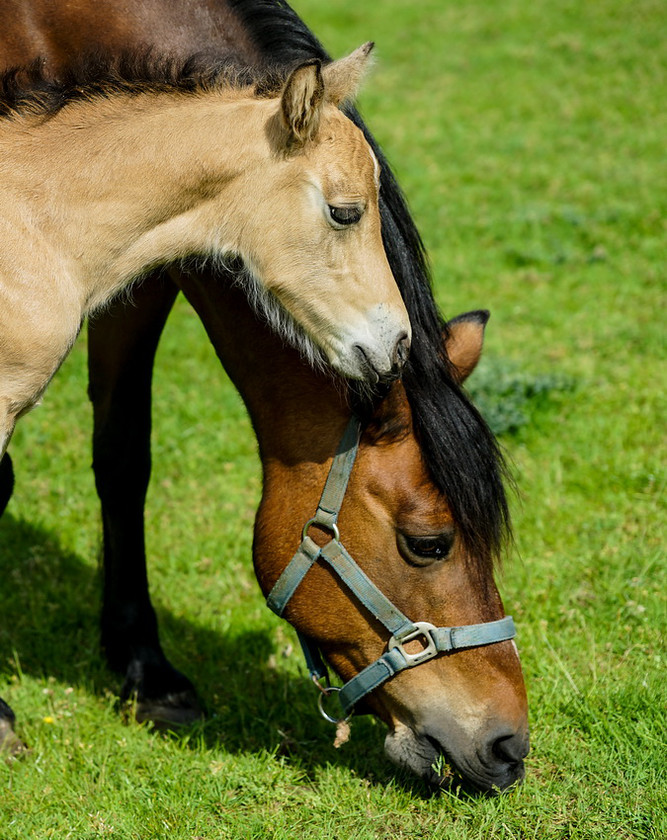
(467, 706)
(311, 228)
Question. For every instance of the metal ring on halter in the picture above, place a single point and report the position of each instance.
(315, 521)
(325, 692)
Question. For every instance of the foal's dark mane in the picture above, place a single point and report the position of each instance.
(31, 90)
(458, 447)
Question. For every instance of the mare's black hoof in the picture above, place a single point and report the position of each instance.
(11, 745)
(161, 694)
(170, 712)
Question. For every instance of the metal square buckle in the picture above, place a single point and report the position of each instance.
(422, 629)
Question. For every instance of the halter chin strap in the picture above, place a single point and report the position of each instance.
(434, 640)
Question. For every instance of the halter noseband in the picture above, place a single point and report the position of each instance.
(435, 639)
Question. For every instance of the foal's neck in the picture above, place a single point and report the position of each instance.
(115, 186)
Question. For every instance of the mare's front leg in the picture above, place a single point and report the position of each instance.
(9, 743)
(122, 345)
(6, 481)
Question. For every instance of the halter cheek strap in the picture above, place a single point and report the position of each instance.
(434, 640)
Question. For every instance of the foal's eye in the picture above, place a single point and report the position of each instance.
(344, 216)
(422, 551)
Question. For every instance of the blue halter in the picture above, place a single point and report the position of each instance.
(435, 640)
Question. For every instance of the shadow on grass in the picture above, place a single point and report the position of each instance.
(49, 627)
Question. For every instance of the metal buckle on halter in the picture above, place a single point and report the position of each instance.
(422, 630)
(327, 690)
(325, 526)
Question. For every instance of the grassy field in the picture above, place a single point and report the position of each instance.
(530, 140)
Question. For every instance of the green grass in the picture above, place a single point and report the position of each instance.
(530, 140)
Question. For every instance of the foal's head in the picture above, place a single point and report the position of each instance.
(271, 172)
(312, 232)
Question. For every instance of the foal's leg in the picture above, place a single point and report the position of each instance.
(122, 345)
(29, 360)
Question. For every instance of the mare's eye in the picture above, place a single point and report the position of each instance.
(422, 551)
(344, 216)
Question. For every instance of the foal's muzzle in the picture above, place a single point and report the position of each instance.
(384, 370)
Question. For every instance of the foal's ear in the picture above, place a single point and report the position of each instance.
(301, 102)
(465, 340)
(343, 78)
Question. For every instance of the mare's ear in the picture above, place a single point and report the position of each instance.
(301, 102)
(465, 340)
(343, 78)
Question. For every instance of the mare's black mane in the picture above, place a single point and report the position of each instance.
(458, 447)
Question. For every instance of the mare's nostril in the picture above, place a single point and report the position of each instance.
(510, 748)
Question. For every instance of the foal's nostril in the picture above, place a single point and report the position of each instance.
(399, 357)
(402, 350)
(377, 371)
(372, 374)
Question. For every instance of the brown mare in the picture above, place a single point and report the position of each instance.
(469, 704)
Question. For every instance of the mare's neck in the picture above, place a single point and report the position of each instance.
(298, 414)
(116, 186)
